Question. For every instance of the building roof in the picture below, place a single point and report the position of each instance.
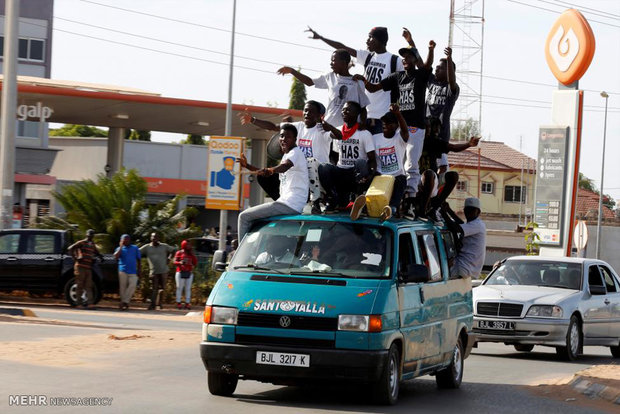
(493, 155)
(587, 205)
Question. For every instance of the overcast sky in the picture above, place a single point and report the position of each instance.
(179, 49)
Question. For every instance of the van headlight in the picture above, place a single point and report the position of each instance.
(360, 323)
(220, 315)
(545, 311)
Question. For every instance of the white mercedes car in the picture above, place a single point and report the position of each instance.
(561, 302)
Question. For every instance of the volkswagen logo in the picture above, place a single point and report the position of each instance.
(285, 321)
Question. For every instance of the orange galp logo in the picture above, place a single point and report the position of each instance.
(570, 47)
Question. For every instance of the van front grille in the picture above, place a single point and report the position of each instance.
(284, 341)
(311, 323)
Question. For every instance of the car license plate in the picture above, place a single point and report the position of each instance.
(502, 325)
(278, 358)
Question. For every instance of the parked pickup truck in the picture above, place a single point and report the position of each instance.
(37, 261)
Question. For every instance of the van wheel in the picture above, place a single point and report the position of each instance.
(385, 391)
(570, 352)
(452, 375)
(222, 384)
(71, 293)
(523, 347)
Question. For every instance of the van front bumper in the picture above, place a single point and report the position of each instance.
(325, 364)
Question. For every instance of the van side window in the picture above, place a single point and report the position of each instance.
(405, 251)
(608, 279)
(430, 255)
(448, 241)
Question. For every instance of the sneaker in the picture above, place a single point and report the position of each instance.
(179, 305)
(358, 205)
(386, 213)
(151, 307)
(316, 208)
(188, 306)
(330, 208)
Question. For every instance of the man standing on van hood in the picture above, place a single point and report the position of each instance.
(83, 253)
(294, 184)
(470, 259)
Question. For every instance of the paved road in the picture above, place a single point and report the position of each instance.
(173, 378)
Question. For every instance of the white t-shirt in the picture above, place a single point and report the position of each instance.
(313, 142)
(390, 154)
(354, 148)
(340, 90)
(470, 259)
(294, 183)
(379, 67)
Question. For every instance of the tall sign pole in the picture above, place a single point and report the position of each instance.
(9, 104)
(228, 129)
(569, 51)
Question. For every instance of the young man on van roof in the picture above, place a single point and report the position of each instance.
(293, 171)
(340, 85)
(378, 64)
(356, 161)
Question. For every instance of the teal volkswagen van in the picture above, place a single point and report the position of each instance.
(324, 298)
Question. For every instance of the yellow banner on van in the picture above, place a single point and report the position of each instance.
(223, 173)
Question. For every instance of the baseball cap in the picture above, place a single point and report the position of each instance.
(125, 236)
(472, 202)
(379, 33)
(389, 118)
(409, 50)
(90, 232)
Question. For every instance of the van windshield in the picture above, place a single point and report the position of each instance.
(310, 247)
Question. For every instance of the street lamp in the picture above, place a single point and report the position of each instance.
(600, 198)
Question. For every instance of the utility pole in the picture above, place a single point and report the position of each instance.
(228, 129)
(7, 123)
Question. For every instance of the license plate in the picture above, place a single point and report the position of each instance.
(278, 358)
(501, 325)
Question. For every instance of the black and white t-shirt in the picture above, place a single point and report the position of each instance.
(439, 104)
(313, 142)
(354, 148)
(340, 90)
(390, 153)
(378, 68)
(411, 94)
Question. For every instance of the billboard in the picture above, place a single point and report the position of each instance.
(551, 185)
(223, 173)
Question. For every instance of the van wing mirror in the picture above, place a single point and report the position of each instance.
(219, 261)
(415, 273)
(597, 290)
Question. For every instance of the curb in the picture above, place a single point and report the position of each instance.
(589, 388)
(17, 312)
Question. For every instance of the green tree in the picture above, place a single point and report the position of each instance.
(297, 95)
(136, 135)
(194, 139)
(586, 183)
(465, 130)
(71, 130)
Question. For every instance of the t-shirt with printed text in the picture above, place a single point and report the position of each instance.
(390, 154)
(356, 147)
(313, 142)
(378, 68)
(340, 90)
(294, 182)
(411, 93)
(440, 101)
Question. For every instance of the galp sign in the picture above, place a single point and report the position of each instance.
(570, 47)
(37, 111)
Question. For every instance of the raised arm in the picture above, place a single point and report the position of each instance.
(450, 69)
(244, 163)
(473, 141)
(335, 133)
(283, 167)
(306, 80)
(431, 55)
(332, 43)
(246, 118)
(402, 124)
(408, 38)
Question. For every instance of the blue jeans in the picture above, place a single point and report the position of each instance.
(184, 284)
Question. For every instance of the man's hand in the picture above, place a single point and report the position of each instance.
(442, 169)
(473, 141)
(432, 44)
(265, 172)
(245, 117)
(243, 161)
(358, 77)
(315, 35)
(448, 52)
(394, 108)
(285, 70)
(287, 118)
(407, 35)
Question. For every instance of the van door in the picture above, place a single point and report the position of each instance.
(434, 296)
(410, 308)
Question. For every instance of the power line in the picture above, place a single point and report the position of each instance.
(549, 10)
(203, 26)
(586, 8)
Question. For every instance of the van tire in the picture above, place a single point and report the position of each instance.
(222, 384)
(385, 391)
(452, 376)
(70, 293)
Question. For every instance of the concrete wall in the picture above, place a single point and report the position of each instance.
(186, 162)
(80, 158)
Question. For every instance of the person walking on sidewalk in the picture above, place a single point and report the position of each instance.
(185, 261)
(83, 253)
(158, 255)
(128, 256)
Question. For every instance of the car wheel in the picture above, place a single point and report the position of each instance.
(72, 297)
(452, 375)
(615, 351)
(523, 347)
(571, 351)
(385, 391)
(222, 384)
